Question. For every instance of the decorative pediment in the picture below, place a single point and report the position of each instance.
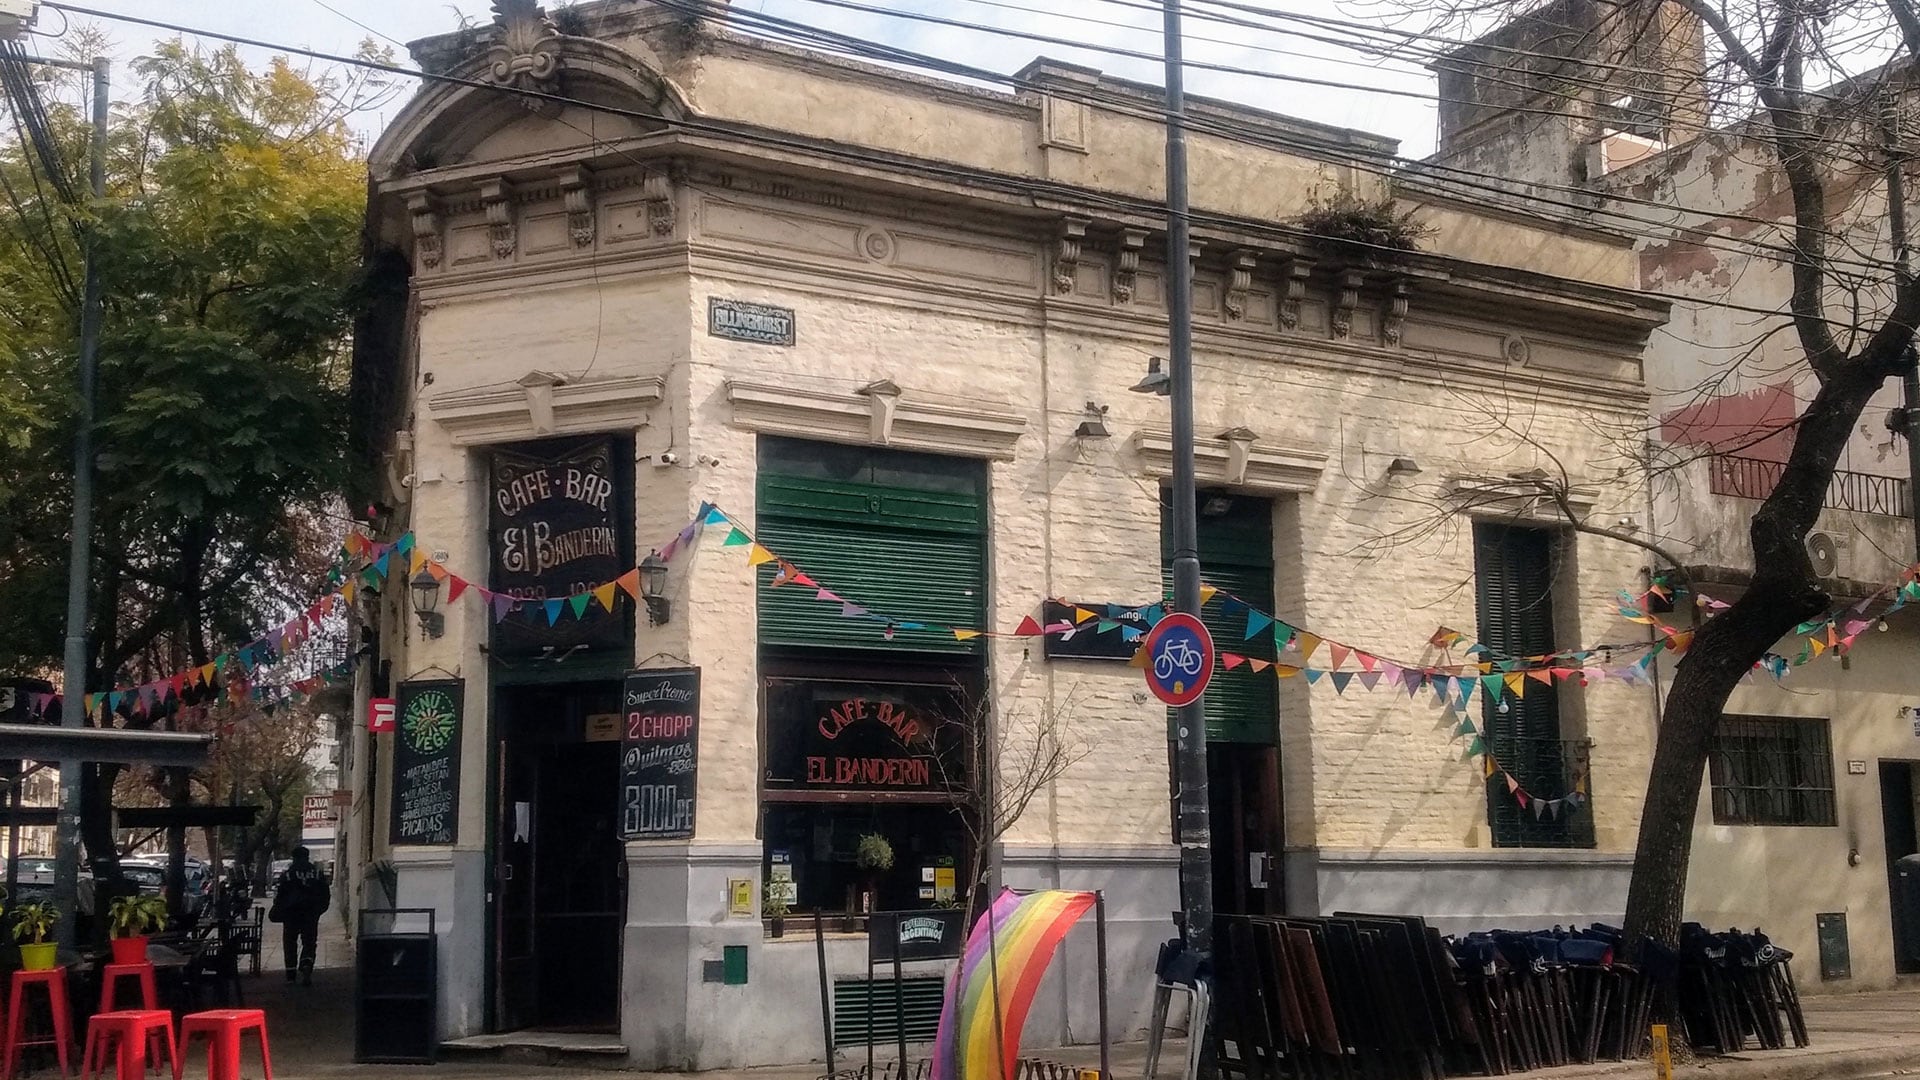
(1238, 458)
(541, 403)
(1526, 497)
(878, 414)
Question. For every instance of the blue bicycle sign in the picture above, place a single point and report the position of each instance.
(1179, 654)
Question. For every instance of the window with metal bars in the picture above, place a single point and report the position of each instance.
(1514, 572)
(1772, 771)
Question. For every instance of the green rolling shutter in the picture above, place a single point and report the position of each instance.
(903, 535)
(872, 1011)
(1236, 557)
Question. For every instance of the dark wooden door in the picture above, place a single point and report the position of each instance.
(514, 984)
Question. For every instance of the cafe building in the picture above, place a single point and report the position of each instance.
(747, 416)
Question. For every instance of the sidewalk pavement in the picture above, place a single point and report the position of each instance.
(1855, 1036)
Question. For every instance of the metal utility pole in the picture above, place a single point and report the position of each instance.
(1190, 745)
(1903, 274)
(73, 682)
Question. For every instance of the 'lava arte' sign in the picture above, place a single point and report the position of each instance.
(426, 762)
(1179, 659)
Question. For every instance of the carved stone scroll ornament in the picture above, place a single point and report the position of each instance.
(1350, 282)
(1395, 326)
(527, 54)
(1240, 278)
(426, 228)
(657, 190)
(1126, 263)
(1297, 273)
(1066, 260)
(576, 185)
(496, 198)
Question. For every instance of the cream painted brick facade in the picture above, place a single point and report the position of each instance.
(536, 286)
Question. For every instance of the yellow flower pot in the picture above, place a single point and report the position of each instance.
(38, 957)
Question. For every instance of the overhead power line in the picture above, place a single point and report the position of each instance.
(982, 178)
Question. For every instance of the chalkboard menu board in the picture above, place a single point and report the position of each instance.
(558, 529)
(426, 762)
(659, 753)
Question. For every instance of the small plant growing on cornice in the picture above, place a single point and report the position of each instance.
(568, 19)
(1372, 232)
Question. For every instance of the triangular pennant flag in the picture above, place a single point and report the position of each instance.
(1207, 593)
(757, 555)
(1817, 646)
(456, 586)
(1516, 682)
(1539, 808)
(1488, 768)
(1257, 621)
(1464, 687)
(604, 594)
(800, 578)
(713, 516)
(1313, 674)
(347, 590)
(1128, 633)
(436, 571)
(1492, 685)
(667, 549)
(1540, 675)
(1307, 642)
(1138, 659)
(736, 538)
(629, 583)
(1257, 664)
(379, 566)
(1339, 653)
(1369, 679)
(1027, 628)
(502, 603)
(553, 609)
(828, 595)
(1081, 615)
(1340, 681)
(578, 602)
(1513, 785)
(1231, 660)
(1104, 626)
(419, 560)
(1367, 660)
(1285, 671)
(1282, 634)
(965, 635)
(851, 611)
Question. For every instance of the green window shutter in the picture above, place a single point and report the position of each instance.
(913, 554)
(1236, 557)
(872, 1011)
(1513, 573)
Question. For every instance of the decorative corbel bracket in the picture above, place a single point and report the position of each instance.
(1350, 282)
(1299, 270)
(885, 395)
(538, 386)
(1239, 452)
(1394, 327)
(425, 210)
(1066, 258)
(496, 197)
(657, 191)
(1126, 263)
(1240, 267)
(576, 186)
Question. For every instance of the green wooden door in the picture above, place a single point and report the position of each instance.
(1236, 557)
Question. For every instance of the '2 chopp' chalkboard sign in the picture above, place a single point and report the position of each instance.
(659, 753)
(426, 762)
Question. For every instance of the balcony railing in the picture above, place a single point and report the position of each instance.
(1861, 493)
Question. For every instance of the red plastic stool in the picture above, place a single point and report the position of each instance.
(54, 982)
(110, 977)
(222, 1028)
(128, 1033)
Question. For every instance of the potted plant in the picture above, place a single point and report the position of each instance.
(874, 855)
(129, 918)
(773, 905)
(34, 921)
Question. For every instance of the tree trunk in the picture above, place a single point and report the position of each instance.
(1784, 593)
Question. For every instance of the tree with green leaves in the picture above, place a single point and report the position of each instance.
(229, 249)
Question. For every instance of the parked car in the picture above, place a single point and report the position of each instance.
(149, 873)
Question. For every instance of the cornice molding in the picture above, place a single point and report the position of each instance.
(878, 414)
(540, 404)
(1512, 498)
(1237, 458)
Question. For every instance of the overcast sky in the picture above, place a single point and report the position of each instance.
(338, 26)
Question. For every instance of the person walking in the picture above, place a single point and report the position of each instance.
(300, 897)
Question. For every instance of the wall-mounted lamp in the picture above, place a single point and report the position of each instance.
(426, 603)
(1095, 425)
(653, 589)
(1155, 381)
(1403, 466)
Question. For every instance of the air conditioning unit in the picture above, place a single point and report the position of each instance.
(1619, 149)
(15, 17)
(1828, 552)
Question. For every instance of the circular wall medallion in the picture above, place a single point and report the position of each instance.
(876, 244)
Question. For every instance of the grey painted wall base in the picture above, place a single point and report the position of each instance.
(1457, 891)
(453, 883)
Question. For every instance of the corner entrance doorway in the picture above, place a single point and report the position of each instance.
(558, 888)
(1903, 881)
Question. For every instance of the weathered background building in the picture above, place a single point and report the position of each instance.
(1810, 792)
(886, 325)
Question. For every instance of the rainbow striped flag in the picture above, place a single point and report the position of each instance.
(980, 1022)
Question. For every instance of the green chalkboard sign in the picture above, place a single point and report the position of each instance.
(1836, 961)
(426, 762)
